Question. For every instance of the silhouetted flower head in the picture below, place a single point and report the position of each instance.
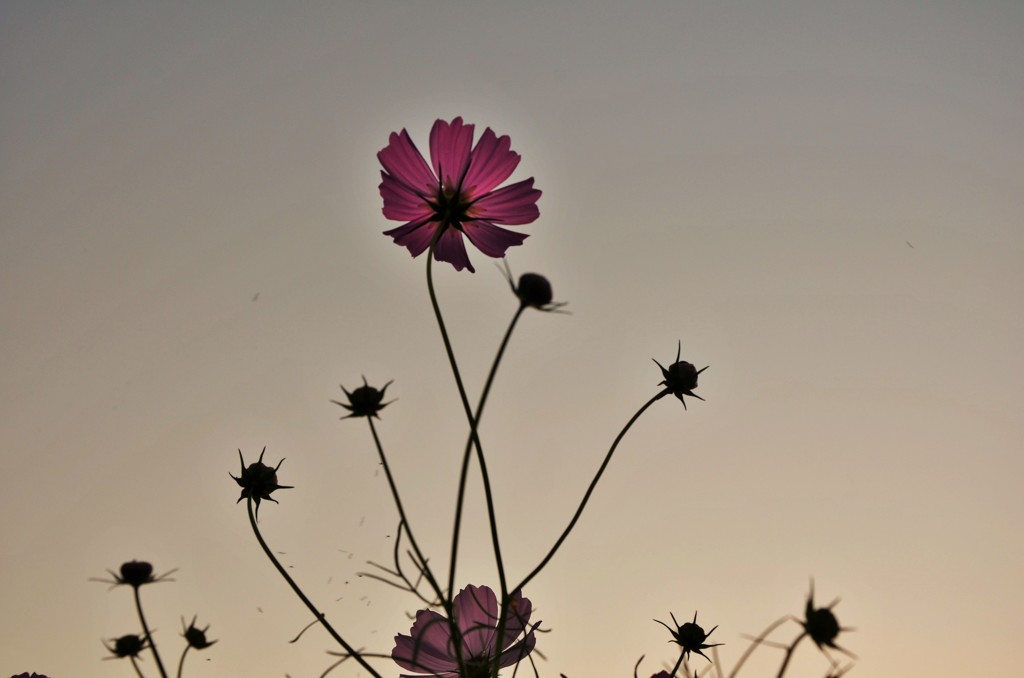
(680, 378)
(126, 646)
(195, 636)
(364, 401)
(258, 480)
(430, 650)
(690, 636)
(533, 290)
(821, 624)
(30, 675)
(135, 573)
(456, 194)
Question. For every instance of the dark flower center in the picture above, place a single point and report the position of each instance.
(478, 668)
(450, 208)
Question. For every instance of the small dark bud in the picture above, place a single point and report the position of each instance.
(365, 401)
(822, 626)
(195, 636)
(127, 646)
(690, 636)
(258, 480)
(679, 378)
(136, 573)
(534, 290)
(821, 623)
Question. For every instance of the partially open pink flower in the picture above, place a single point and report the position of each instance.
(429, 649)
(456, 196)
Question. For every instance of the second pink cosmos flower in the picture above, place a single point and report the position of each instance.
(430, 650)
(456, 195)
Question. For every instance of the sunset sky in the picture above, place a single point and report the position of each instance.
(824, 202)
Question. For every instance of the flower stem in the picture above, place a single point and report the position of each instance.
(149, 637)
(753, 645)
(590, 490)
(401, 514)
(789, 654)
(302, 596)
(469, 445)
(472, 422)
(679, 662)
(181, 662)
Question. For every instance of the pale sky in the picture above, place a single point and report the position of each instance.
(823, 201)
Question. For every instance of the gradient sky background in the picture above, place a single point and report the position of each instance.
(823, 203)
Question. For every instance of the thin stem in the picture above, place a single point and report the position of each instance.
(181, 662)
(679, 662)
(472, 421)
(149, 636)
(401, 513)
(463, 474)
(789, 654)
(590, 490)
(755, 643)
(302, 596)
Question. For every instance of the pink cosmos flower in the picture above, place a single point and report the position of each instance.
(457, 195)
(429, 650)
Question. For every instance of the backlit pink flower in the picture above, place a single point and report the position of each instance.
(456, 195)
(429, 649)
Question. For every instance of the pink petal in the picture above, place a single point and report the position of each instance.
(401, 159)
(518, 652)
(451, 249)
(428, 647)
(476, 611)
(490, 239)
(515, 204)
(516, 618)
(490, 164)
(415, 235)
(400, 202)
(450, 145)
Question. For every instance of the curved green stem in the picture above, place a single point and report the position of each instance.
(302, 596)
(789, 654)
(469, 445)
(149, 636)
(472, 422)
(590, 490)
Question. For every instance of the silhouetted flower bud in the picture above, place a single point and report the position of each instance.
(127, 646)
(821, 624)
(533, 290)
(136, 573)
(690, 636)
(680, 378)
(258, 480)
(195, 636)
(364, 401)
